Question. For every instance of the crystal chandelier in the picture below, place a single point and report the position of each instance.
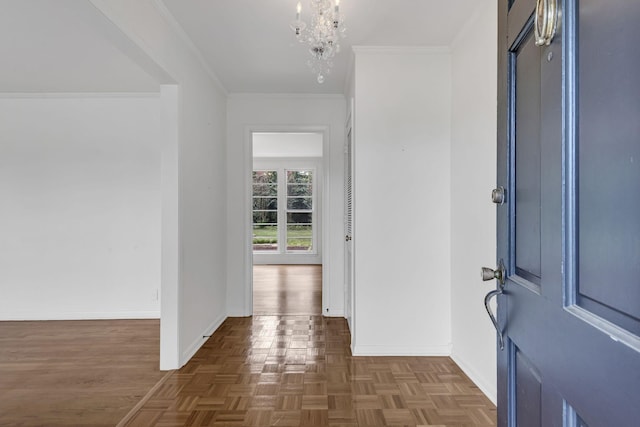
(323, 35)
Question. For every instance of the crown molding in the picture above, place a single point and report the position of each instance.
(77, 95)
(315, 96)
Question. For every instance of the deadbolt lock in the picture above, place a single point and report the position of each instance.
(498, 195)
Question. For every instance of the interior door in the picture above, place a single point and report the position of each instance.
(569, 216)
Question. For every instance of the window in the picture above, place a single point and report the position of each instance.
(265, 210)
(299, 210)
(283, 211)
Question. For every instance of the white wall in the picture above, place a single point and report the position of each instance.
(293, 144)
(200, 295)
(473, 176)
(80, 216)
(402, 188)
(273, 113)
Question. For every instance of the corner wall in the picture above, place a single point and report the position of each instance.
(201, 254)
(473, 176)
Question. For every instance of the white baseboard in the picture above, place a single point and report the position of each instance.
(334, 313)
(71, 315)
(198, 342)
(382, 350)
(490, 390)
(237, 313)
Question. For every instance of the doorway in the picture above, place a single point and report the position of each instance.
(286, 223)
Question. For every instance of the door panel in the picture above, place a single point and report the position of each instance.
(609, 163)
(528, 394)
(525, 69)
(569, 231)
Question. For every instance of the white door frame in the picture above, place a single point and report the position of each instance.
(349, 282)
(247, 206)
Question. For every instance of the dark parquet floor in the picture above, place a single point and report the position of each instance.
(292, 368)
(287, 289)
(296, 370)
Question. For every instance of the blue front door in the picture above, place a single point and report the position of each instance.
(569, 227)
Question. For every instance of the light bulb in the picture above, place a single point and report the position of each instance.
(320, 78)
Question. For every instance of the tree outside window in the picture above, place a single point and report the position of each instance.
(285, 198)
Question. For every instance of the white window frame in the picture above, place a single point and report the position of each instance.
(283, 255)
(277, 210)
(286, 211)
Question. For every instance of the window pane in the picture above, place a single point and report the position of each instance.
(265, 210)
(299, 190)
(265, 177)
(299, 217)
(299, 177)
(299, 203)
(299, 237)
(265, 190)
(265, 237)
(265, 217)
(298, 209)
(265, 203)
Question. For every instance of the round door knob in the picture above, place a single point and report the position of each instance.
(499, 273)
(489, 274)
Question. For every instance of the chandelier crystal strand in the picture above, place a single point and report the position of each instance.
(322, 36)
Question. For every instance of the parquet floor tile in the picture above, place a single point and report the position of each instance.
(297, 290)
(297, 370)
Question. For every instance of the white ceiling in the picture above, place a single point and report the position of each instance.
(250, 47)
(66, 45)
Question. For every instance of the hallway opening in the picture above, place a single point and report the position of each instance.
(286, 222)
